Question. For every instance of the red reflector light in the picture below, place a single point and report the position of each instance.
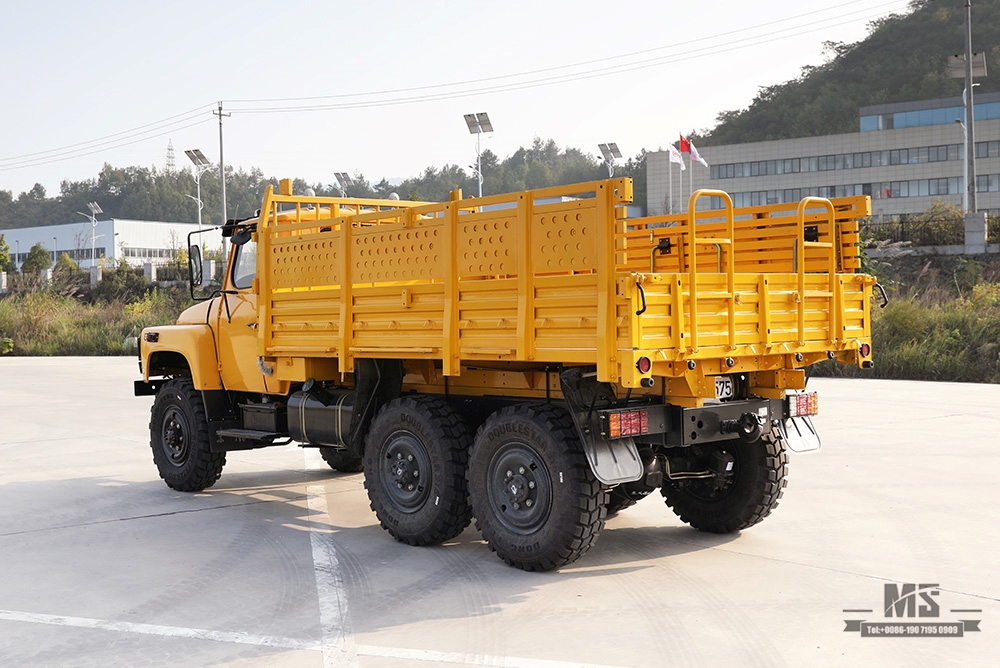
(628, 423)
(866, 350)
(806, 403)
(644, 365)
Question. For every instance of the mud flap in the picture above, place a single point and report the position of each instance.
(799, 435)
(612, 461)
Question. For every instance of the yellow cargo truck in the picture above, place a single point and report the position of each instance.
(535, 360)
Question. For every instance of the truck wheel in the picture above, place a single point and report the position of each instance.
(415, 458)
(178, 433)
(757, 482)
(341, 460)
(536, 501)
(618, 501)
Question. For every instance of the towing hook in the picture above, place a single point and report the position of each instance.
(747, 427)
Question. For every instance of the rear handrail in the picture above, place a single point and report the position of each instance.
(690, 232)
(800, 264)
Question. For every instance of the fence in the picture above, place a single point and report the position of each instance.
(919, 232)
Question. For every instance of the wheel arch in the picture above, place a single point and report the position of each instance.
(182, 350)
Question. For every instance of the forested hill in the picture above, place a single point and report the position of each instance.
(148, 193)
(904, 58)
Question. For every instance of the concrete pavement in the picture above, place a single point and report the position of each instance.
(283, 564)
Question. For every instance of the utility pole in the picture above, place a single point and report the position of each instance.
(222, 162)
(970, 116)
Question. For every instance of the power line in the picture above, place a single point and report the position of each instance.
(102, 140)
(587, 62)
(572, 73)
(560, 78)
(85, 152)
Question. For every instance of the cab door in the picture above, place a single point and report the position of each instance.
(236, 324)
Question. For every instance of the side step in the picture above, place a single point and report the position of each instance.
(257, 436)
(249, 434)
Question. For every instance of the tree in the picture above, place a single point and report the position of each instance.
(123, 283)
(38, 260)
(6, 264)
(66, 264)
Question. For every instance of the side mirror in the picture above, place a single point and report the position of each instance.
(194, 265)
(242, 236)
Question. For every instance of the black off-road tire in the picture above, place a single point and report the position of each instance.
(178, 431)
(341, 460)
(618, 500)
(415, 458)
(759, 479)
(535, 499)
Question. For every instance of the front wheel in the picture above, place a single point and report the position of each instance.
(535, 499)
(415, 457)
(736, 502)
(178, 431)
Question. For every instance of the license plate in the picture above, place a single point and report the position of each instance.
(723, 387)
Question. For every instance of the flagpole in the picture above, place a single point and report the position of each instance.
(670, 186)
(680, 183)
(690, 177)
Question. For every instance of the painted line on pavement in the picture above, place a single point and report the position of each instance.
(335, 624)
(160, 630)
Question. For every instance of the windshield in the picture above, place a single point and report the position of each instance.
(245, 266)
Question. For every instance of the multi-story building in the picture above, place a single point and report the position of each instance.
(138, 241)
(904, 156)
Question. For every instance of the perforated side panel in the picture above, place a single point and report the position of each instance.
(487, 247)
(402, 254)
(305, 261)
(564, 241)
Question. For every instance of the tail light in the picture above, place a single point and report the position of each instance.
(627, 423)
(806, 403)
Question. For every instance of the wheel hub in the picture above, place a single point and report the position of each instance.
(520, 488)
(517, 489)
(174, 438)
(404, 472)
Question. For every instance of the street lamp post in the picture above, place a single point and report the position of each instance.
(94, 210)
(970, 117)
(610, 152)
(17, 254)
(54, 258)
(344, 181)
(965, 164)
(966, 66)
(478, 124)
(201, 165)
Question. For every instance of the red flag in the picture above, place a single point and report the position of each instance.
(685, 145)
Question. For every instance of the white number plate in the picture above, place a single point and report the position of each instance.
(723, 387)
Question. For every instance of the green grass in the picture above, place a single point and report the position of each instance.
(44, 323)
(942, 322)
(934, 334)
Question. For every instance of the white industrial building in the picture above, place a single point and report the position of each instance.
(138, 241)
(905, 156)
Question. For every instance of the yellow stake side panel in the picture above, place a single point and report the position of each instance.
(765, 239)
(537, 277)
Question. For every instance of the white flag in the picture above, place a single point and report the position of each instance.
(675, 156)
(695, 155)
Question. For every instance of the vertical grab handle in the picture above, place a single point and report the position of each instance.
(692, 234)
(799, 262)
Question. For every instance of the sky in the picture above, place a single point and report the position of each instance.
(380, 87)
